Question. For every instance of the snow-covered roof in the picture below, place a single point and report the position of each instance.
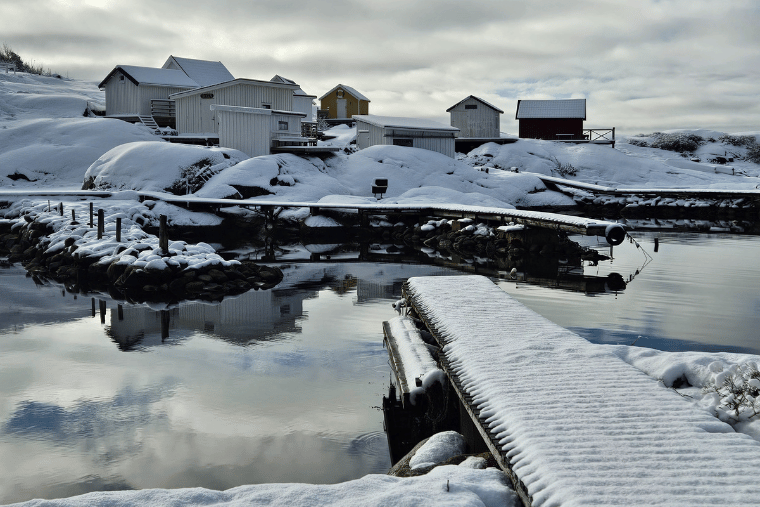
(152, 76)
(479, 100)
(405, 123)
(351, 91)
(232, 83)
(299, 92)
(564, 108)
(203, 72)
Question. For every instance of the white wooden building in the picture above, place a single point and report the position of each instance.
(130, 89)
(476, 118)
(302, 101)
(194, 112)
(412, 132)
(254, 130)
(203, 72)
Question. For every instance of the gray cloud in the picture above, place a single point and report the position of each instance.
(642, 65)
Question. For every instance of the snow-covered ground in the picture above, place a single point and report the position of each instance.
(46, 142)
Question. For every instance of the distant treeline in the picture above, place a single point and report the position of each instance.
(7, 55)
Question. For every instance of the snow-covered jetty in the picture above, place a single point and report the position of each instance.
(571, 423)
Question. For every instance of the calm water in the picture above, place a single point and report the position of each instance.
(284, 385)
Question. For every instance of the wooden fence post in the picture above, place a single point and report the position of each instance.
(101, 225)
(163, 239)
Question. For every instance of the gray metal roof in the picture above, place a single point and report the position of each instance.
(203, 72)
(351, 91)
(564, 108)
(152, 76)
(404, 123)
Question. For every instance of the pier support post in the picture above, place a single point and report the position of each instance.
(102, 311)
(90, 215)
(118, 230)
(101, 224)
(60, 208)
(163, 238)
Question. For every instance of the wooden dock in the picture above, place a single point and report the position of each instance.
(613, 231)
(568, 421)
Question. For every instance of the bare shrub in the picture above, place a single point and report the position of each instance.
(739, 390)
(563, 169)
(680, 143)
(737, 140)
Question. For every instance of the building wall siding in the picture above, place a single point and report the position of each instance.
(481, 122)
(247, 132)
(375, 135)
(548, 128)
(189, 109)
(126, 98)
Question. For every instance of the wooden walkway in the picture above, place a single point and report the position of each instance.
(555, 221)
(568, 421)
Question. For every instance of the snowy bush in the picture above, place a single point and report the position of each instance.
(737, 140)
(738, 388)
(638, 142)
(680, 143)
(753, 153)
(563, 169)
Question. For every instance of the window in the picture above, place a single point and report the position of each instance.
(121, 78)
(403, 142)
(470, 106)
(282, 125)
(266, 106)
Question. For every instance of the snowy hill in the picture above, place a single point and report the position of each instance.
(47, 142)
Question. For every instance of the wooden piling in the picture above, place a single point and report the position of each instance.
(163, 238)
(118, 230)
(102, 311)
(93, 307)
(90, 215)
(60, 208)
(101, 223)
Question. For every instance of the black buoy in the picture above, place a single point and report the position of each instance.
(614, 234)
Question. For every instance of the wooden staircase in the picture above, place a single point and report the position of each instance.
(149, 122)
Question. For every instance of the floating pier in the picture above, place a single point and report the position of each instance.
(568, 421)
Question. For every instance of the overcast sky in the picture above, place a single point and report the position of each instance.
(642, 65)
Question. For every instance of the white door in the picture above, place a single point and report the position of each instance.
(342, 108)
(207, 116)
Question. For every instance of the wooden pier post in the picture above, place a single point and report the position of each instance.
(90, 215)
(73, 217)
(118, 230)
(165, 321)
(102, 311)
(60, 208)
(120, 312)
(163, 238)
(93, 307)
(101, 224)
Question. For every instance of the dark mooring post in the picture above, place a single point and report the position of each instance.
(90, 215)
(102, 311)
(101, 224)
(656, 244)
(93, 307)
(73, 217)
(163, 238)
(120, 312)
(118, 230)
(60, 208)
(165, 321)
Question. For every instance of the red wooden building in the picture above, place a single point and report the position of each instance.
(552, 119)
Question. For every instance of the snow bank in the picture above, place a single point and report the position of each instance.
(156, 166)
(443, 486)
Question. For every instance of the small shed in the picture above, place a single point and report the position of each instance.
(194, 113)
(253, 130)
(343, 102)
(203, 72)
(131, 91)
(474, 117)
(551, 119)
(412, 132)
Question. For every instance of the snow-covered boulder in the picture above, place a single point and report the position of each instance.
(158, 167)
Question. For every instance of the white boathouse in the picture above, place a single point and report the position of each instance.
(255, 130)
(474, 117)
(412, 132)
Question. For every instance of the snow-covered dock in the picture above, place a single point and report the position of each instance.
(578, 225)
(570, 422)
